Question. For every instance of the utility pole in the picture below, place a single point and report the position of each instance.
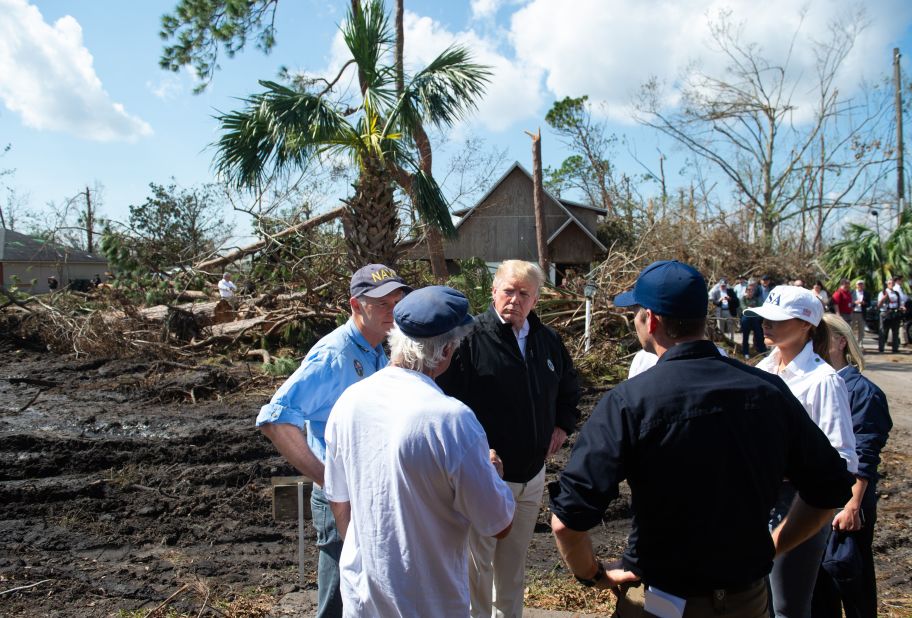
(538, 202)
(900, 184)
(89, 221)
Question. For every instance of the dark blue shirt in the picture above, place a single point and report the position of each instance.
(871, 423)
(704, 443)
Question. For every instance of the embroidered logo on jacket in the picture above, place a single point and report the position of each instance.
(359, 368)
(550, 365)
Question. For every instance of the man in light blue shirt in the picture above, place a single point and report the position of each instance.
(346, 355)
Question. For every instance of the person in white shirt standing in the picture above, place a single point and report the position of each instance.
(792, 322)
(226, 286)
(860, 301)
(890, 303)
(409, 472)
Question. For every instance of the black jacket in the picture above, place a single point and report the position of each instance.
(518, 402)
(732, 300)
(704, 443)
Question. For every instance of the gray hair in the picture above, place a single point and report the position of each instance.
(423, 354)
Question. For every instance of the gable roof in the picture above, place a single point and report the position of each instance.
(16, 247)
(560, 203)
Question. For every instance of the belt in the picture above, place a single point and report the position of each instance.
(715, 593)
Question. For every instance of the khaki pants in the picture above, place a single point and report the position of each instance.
(497, 568)
(750, 603)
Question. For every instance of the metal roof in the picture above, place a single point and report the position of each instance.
(17, 247)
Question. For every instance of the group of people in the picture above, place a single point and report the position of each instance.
(429, 465)
(850, 301)
(892, 305)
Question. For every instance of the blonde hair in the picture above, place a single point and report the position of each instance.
(840, 327)
(520, 269)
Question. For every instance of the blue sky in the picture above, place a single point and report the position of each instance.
(83, 101)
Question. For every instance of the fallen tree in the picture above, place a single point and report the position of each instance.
(233, 256)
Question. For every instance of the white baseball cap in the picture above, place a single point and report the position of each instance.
(786, 302)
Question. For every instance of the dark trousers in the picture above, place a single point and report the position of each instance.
(885, 327)
(750, 603)
(752, 324)
(857, 598)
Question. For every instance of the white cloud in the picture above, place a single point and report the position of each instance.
(166, 88)
(514, 91)
(484, 9)
(513, 94)
(47, 77)
(609, 49)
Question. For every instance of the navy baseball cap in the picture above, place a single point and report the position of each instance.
(376, 280)
(669, 288)
(432, 311)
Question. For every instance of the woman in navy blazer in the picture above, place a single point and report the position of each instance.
(871, 423)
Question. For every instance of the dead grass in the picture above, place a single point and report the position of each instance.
(560, 592)
(896, 607)
(254, 604)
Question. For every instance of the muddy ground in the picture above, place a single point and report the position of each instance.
(116, 489)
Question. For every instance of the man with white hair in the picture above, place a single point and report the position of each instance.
(516, 375)
(409, 472)
(226, 286)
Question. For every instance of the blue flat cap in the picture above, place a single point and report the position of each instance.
(432, 311)
(668, 288)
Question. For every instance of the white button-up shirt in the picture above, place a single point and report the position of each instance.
(823, 394)
(521, 336)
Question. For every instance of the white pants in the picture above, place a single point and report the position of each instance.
(497, 568)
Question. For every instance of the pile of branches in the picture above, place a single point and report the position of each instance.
(109, 325)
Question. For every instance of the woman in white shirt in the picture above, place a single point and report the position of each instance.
(821, 293)
(792, 325)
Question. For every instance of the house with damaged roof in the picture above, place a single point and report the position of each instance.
(27, 262)
(501, 226)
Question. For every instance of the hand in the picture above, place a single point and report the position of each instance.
(616, 576)
(848, 520)
(558, 437)
(496, 462)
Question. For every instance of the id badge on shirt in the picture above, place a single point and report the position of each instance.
(663, 604)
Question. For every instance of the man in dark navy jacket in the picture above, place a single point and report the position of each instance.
(704, 443)
(516, 375)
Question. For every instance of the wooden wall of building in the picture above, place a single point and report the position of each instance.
(503, 226)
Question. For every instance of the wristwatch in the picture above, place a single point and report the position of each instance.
(599, 575)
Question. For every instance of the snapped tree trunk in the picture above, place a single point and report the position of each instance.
(538, 202)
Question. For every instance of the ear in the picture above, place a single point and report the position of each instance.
(355, 305)
(652, 321)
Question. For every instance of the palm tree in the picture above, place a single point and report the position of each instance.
(285, 127)
(863, 255)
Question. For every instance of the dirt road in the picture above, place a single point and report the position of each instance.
(117, 491)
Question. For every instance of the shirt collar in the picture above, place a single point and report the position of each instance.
(805, 362)
(355, 335)
(847, 371)
(524, 329)
(702, 348)
(414, 374)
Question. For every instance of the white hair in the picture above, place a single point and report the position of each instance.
(423, 354)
